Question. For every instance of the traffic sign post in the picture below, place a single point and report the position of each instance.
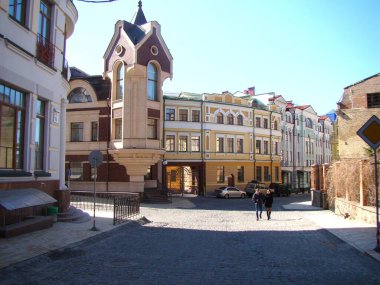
(95, 158)
(370, 133)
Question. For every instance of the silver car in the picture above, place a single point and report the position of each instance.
(229, 191)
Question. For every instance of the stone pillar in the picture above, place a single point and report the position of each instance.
(314, 177)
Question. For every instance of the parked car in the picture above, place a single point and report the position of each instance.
(250, 188)
(279, 189)
(229, 192)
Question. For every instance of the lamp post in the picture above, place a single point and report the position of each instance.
(164, 163)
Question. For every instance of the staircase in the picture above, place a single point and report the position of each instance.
(154, 196)
(73, 215)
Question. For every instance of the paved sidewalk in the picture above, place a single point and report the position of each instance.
(13, 250)
(358, 234)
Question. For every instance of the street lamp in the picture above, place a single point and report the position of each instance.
(164, 163)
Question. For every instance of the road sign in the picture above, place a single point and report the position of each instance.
(370, 132)
(95, 158)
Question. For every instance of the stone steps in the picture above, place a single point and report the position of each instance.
(73, 215)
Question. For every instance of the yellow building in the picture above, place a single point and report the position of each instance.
(213, 140)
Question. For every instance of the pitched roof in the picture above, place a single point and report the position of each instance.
(365, 79)
(139, 17)
(101, 86)
(303, 107)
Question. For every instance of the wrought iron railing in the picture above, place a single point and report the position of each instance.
(123, 205)
(45, 51)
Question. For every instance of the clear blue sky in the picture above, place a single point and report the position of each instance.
(305, 50)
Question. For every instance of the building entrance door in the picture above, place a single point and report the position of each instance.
(182, 180)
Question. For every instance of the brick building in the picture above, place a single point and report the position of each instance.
(359, 102)
(121, 112)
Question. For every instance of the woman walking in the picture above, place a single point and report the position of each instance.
(268, 203)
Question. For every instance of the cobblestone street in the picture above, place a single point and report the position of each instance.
(204, 240)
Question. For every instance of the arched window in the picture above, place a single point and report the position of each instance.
(230, 119)
(219, 118)
(152, 82)
(240, 120)
(79, 95)
(120, 82)
(309, 123)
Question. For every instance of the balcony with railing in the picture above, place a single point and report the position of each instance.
(45, 51)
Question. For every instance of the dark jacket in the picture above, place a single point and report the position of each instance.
(258, 198)
(268, 200)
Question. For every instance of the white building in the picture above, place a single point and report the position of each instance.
(305, 141)
(33, 90)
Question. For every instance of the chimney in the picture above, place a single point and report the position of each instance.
(251, 91)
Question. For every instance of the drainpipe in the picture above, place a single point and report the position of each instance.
(203, 151)
(254, 143)
(108, 141)
(270, 145)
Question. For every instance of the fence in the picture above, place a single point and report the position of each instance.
(123, 205)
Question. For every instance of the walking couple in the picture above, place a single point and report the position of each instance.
(259, 199)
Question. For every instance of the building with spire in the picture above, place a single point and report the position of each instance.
(121, 112)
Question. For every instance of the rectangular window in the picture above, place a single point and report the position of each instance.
(183, 115)
(220, 174)
(12, 127)
(258, 122)
(170, 115)
(373, 100)
(94, 131)
(230, 145)
(266, 147)
(219, 144)
(276, 148)
(39, 135)
(17, 10)
(277, 173)
(240, 173)
(118, 129)
(170, 143)
(266, 173)
(45, 49)
(240, 146)
(195, 143)
(152, 129)
(76, 132)
(258, 173)
(182, 143)
(265, 123)
(76, 170)
(258, 146)
(195, 115)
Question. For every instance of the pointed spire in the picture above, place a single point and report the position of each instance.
(139, 17)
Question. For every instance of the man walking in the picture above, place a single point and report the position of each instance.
(258, 199)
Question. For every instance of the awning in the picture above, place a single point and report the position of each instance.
(23, 198)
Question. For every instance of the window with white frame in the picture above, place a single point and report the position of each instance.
(230, 145)
(219, 144)
(182, 143)
(170, 114)
(170, 143)
(195, 143)
(239, 145)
